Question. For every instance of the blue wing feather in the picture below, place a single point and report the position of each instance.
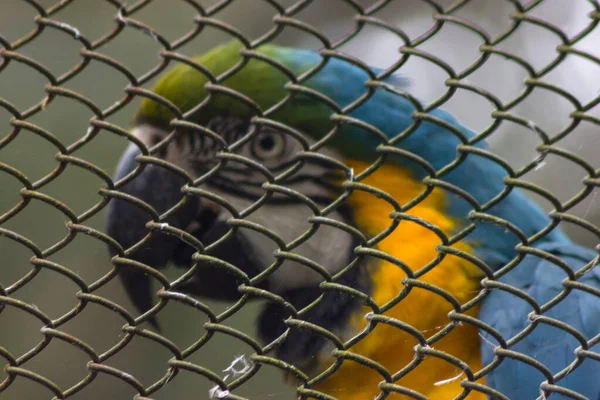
(551, 346)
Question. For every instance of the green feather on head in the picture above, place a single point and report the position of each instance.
(262, 82)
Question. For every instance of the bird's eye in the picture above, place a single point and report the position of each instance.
(268, 145)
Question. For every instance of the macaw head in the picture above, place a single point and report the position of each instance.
(253, 183)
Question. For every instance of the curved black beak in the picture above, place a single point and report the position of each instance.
(126, 222)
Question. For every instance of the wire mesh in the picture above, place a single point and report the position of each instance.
(49, 256)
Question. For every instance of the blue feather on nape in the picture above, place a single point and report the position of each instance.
(399, 80)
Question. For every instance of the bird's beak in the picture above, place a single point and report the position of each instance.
(161, 188)
(126, 221)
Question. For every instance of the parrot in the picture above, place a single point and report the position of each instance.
(320, 179)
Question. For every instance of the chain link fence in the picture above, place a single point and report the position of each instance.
(72, 74)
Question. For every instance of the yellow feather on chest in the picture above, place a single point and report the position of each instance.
(422, 309)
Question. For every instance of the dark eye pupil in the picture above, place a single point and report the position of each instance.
(267, 143)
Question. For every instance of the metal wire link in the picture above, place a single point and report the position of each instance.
(17, 366)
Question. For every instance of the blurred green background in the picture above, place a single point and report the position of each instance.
(68, 121)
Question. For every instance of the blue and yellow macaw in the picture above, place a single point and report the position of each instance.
(382, 237)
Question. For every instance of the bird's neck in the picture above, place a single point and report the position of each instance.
(426, 311)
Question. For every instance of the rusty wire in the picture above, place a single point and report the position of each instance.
(124, 19)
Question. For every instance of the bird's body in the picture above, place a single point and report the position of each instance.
(467, 194)
(426, 311)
